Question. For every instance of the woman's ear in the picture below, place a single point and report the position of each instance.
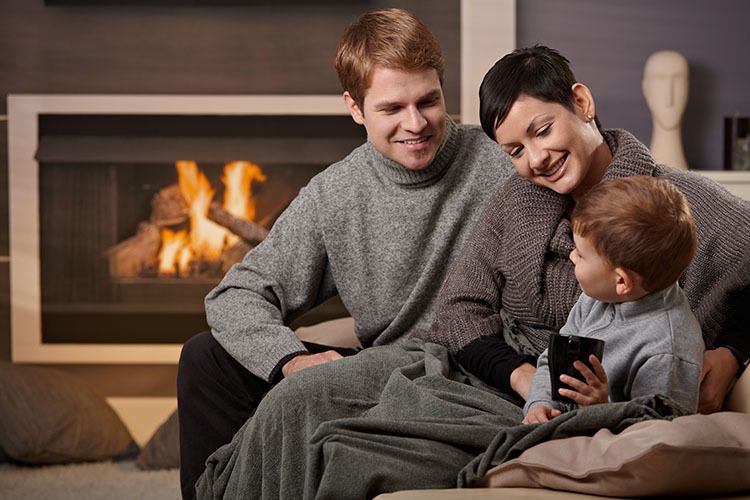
(583, 102)
(353, 108)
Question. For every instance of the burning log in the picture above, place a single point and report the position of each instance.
(168, 207)
(131, 257)
(245, 229)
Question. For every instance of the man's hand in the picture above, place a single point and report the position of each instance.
(718, 372)
(303, 361)
(594, 391)
(520, 379)
(540, 414)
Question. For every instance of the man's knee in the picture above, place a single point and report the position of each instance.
(197, 357)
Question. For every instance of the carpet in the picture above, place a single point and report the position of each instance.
(98, 480)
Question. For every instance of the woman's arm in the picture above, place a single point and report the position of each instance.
(468, 305)
(721, 364)
(495, 362)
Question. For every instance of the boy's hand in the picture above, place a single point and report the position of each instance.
(594, 391)
(540, 414)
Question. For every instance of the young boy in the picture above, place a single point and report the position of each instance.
(633, 238)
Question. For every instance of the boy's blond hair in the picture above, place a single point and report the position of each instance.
(639, 223)
(391, 38)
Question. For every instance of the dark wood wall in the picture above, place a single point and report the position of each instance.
(281, 47)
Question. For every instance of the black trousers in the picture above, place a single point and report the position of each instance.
(215, 396)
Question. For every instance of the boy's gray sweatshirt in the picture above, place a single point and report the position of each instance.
(653, 346)
(368, 229)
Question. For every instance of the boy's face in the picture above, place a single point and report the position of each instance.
(404, 115)
(594, 273)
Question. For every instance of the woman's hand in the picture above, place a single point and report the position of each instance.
(520, 379)
(594, 391)
(718, 372)
(540, 414)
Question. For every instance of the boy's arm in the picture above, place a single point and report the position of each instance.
(670, 376)
(676, 372)
(540, 393)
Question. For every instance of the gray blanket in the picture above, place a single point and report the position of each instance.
(387, 419)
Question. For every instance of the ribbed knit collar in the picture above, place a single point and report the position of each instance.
(651, 302)
(398, 174)
(629, 156)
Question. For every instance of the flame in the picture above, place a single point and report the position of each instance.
(238, 199)
(172, 244)
(206, 239)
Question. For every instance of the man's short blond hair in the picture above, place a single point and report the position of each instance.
(390, 38)
(639, 223)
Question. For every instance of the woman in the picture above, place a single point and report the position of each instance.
(517, 260)
(409, 417)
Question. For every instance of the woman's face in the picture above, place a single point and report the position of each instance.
(552, 146)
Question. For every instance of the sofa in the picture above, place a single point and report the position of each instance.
(704, 456)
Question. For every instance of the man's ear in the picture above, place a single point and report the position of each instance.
(353, 108)
(583, 101)
(626, 281)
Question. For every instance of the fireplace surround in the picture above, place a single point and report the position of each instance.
(82, 171)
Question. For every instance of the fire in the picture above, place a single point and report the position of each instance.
(206, 240)
(238, 200)
(172, 244)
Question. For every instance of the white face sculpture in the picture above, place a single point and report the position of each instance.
(665, 86)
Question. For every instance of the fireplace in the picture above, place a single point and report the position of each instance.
(126, 210)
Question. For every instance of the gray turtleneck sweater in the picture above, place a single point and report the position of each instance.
(380, 236)
(652, 346)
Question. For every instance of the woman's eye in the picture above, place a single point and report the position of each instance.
(515, 152)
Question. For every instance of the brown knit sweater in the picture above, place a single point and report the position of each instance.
(517, 256)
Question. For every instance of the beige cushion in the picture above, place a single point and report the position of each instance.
(738, 398)
(163, 448)
(336, 332)
(692, 455)
(48, 416)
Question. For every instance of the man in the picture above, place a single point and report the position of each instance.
(379, 228)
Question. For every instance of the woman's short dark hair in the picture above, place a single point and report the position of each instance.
(538, 71)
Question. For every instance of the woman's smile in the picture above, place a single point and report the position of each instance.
(557, 171)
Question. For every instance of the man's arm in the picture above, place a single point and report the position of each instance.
(278, 280)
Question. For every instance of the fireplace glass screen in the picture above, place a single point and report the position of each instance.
(140, 216)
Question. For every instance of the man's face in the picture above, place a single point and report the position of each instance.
(404, 115)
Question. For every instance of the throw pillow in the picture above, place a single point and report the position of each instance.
(50, 417)
(163, 449)
(691, 455)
